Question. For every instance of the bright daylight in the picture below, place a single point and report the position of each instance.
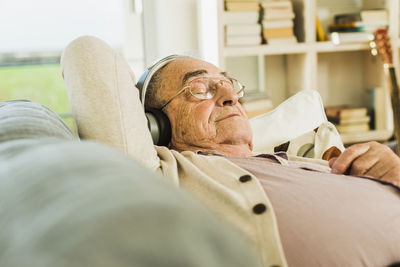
(34, 33)
(199, 133)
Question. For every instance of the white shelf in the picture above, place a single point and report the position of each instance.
(329, 47)
(340, 73)
(377, 135)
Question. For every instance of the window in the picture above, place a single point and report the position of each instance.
(33, 35)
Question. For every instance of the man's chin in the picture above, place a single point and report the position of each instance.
(234, 132)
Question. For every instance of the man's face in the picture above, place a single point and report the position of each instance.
(202, 124)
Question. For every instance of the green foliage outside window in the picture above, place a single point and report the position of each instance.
(39, 83)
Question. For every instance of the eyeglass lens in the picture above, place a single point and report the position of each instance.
(207, 87)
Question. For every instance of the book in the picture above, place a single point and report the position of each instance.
(374, 15)
(251, 96)
(380, 23)
(241, 17)
(245, 29)
(351, 120)
(281, 5)
(241, 6)
(271, 24)
(241, 1)
(353, 128)
(370, 94)
(275, 10)
(242, 40)
(278, 15)
(278, 32)
(336, 28)
(258, 104)
(364, 21)
(282, 41)
(351, 37)
(345, 112)
(257, 107)
(378, 103)
(319, 30)
(347, 18)
(348, 119)
(374, 19)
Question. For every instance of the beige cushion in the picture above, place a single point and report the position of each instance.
(104, 99)
(295, 120)
(106, 105)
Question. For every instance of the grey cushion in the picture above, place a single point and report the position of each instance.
(71, 203)
(25, 119)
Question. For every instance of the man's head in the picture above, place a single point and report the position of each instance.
(217, 123)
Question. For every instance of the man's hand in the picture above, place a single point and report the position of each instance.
(370, 159)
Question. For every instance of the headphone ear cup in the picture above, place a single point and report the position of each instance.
(159, 126)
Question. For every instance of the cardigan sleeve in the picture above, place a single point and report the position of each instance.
(104, 99)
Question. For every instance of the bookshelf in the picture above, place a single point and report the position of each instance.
(340, 73)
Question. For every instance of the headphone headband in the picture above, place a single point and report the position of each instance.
(145, 79)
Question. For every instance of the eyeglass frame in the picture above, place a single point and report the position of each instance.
(188, 86)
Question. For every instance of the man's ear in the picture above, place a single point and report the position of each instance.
(251, 146)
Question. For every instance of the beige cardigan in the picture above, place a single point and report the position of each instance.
(215, 181)
(106, 106)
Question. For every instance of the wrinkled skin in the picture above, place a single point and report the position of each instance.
(369, 159)
(221, 124)
(217, 124)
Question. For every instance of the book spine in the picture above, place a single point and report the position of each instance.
(320, 31)
(241, 6)
(240, 17)
(251, 29)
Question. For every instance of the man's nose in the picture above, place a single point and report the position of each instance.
(226, 96)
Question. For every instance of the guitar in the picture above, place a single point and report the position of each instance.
(384, 49)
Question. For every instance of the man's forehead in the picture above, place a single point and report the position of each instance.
(182, 66)
(177, 72)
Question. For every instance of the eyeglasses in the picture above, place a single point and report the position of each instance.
(206, 87)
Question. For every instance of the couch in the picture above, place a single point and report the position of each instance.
(66, 202)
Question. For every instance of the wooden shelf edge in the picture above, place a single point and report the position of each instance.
(374, 135)
(328, 46)
(287, 49)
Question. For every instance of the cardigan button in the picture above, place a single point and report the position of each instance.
(259, 208)
(245, 178)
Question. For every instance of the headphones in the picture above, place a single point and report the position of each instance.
(157, 120)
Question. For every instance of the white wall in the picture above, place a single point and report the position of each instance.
(170, 26)
(133, 50)
(49, 25)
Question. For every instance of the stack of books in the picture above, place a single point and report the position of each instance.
(242, 26)
(374, 19)
(277, 22)
(357, 27)
(256, 103)
(349, 119)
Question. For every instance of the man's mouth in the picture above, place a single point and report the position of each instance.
(227, 117)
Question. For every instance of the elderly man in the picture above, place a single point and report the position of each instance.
(295, 213)
(202, 105)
